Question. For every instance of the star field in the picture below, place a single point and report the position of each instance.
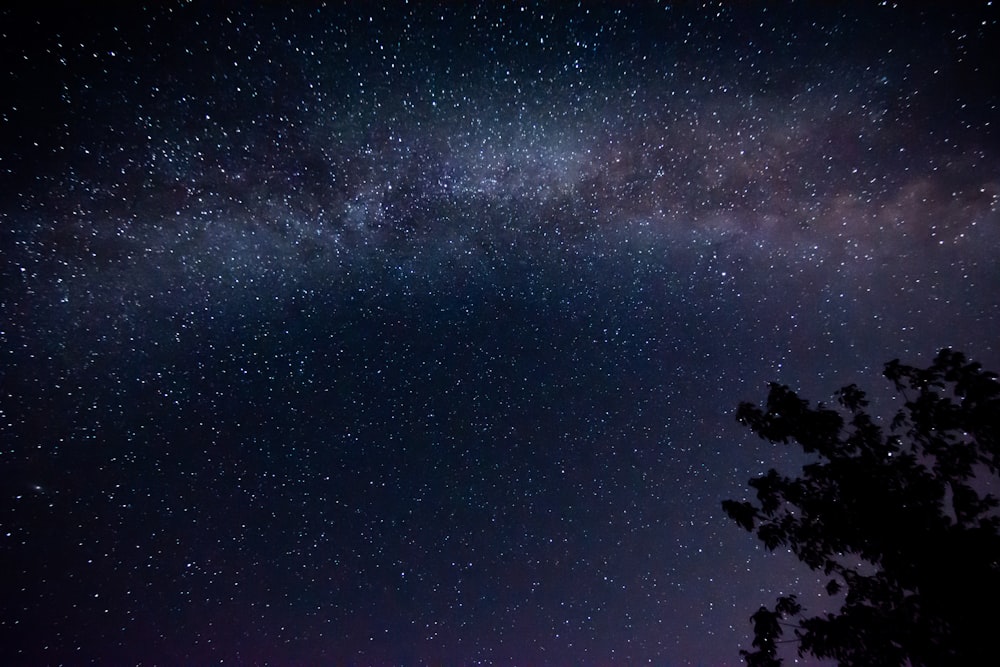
(346, 335)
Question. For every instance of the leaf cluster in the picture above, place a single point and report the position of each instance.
(901, 521)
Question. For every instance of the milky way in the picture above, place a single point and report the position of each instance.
(339, 335)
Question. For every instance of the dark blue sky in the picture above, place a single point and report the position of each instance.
(352, 336)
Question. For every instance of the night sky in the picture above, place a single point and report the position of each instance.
(414, 336)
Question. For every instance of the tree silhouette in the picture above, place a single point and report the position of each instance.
(900, 519)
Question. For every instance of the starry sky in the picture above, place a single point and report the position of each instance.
(413, 335)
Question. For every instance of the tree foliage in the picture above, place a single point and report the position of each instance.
(900, 519)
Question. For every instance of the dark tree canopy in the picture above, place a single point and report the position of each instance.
(901, 519)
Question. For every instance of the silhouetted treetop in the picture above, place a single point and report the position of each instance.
(902, 520)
